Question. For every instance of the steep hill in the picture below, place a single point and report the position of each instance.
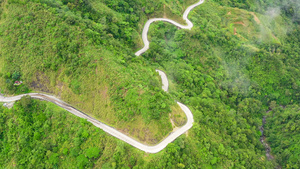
(84, 54)
(240, 59)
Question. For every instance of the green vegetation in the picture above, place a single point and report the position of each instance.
(37, 134)
(229, 68)
(88, 64)
(290, 8)
(283, 134)
(234, 65)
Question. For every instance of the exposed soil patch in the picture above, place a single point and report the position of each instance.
(234, 31)
(240, 23)
(39, 81)
(255, 17)
(274, 36)
(173, 124)
(104, 92)
(141, 91)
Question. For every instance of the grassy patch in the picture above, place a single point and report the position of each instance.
(1, 72)
(54, 56)
(248, 25)
(173, 10)
(178, 116)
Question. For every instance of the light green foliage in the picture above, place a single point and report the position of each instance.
(229, 69)
(75, 54)
(93, 152)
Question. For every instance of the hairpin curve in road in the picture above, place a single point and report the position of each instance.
(110, 130)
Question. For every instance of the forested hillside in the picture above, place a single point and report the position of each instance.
(84, 54)
(283, 134)
(240, 60)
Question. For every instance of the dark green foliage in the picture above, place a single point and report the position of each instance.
(283, 134)
(11, 78)
(35, 134)
(227, 81)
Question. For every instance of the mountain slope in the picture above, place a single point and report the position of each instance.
(229, 69)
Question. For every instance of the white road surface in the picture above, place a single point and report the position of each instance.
(164, 80)
(112, 131)
(148, 23)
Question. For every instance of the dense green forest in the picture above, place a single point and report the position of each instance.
(240, 60)
(283, 134)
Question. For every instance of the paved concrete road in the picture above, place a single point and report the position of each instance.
(112, 131)
(148, 23)
(164, 80)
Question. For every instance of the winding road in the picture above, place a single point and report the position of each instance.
(112, 131)
(148, 23)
